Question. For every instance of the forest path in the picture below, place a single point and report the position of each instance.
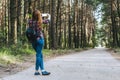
(95, 64)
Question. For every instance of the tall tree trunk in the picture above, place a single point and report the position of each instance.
(58, 26)
(65, 30)
(60, 32)
(43, 8)
(52, 26)
(6, 22)
(19, 18)
(13, 22)
(69, 25)
(113, 25)
(118, 10)
(75, 23)
(84, 25)
(30, 8)
(25, 10)
(81, 44)
(78, 29)
(57, 20)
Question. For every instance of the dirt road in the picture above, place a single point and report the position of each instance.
(95, 64)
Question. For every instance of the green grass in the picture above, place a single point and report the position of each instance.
(13, 54)
(6, 58)
(117, 50)
(16, 54)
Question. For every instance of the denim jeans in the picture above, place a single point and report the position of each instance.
(38, 46)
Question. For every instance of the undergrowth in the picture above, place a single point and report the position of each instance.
(14, 54)
(116, 50)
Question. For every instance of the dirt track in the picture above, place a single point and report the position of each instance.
(95, 64)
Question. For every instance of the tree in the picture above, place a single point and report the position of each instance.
(72, 22)
(13, 22)
(52, 26)
(110, 20)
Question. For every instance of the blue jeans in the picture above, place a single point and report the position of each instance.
(38, 46)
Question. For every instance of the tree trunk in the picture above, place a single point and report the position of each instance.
(19, 18)
(13, 22)
(65, 30)
(57, 21)
(43, 8)
(69, 25)
(52, 26)
(59, 25)
(81, 44)
(113, 25)
(84, 25)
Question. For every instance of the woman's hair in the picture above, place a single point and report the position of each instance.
(36, 16)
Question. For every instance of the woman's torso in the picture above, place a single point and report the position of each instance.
(38, 29)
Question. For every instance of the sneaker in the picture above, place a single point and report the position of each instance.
(45, 73)
(36, 73)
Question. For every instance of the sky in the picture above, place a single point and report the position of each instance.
(98, 15)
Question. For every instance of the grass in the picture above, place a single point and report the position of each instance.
(13, 55)
(6, 58)
(117, 50)
(16, 54)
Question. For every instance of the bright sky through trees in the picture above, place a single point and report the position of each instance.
(98, 14)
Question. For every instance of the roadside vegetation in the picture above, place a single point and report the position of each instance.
(15, 54)
(117, 51)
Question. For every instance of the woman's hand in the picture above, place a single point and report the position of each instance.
(46, 21)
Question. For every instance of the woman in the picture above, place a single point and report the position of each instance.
(36, 22)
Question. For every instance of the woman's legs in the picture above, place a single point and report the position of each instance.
(39, 61)
(39, 58)
(39, 55)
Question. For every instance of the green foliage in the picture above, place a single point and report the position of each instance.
(117, 50)
(6, 57)
(93, 3)
(109, 31)
(2, 38)
(30, 16)
(14, 53)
